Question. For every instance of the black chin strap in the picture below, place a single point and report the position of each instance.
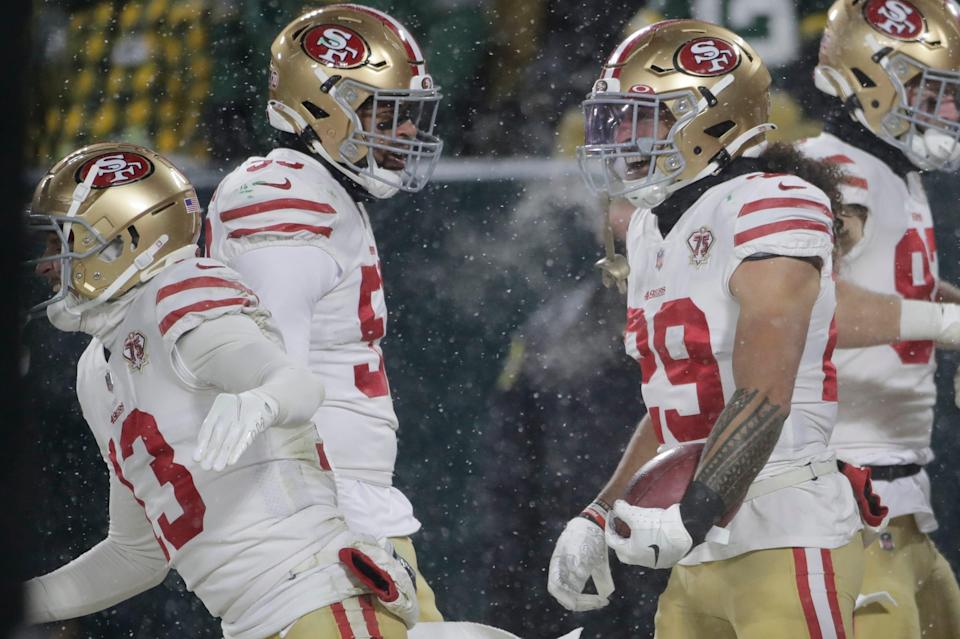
(839, 123)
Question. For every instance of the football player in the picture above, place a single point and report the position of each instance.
(731, 302)
(894, 68)
(354, 105)
(184, 375)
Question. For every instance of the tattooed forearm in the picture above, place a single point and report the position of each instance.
(740, 444)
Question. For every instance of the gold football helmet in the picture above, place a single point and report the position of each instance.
(110, 213)
(333, 62)
(675, 102)
(895, 64)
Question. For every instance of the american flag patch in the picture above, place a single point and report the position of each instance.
(192, 203)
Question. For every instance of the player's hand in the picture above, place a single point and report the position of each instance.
(658, 538)
(230, 427)
(580, 554)
(378, 567)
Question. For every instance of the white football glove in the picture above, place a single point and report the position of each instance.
(658, 538)
(230, 427)
(378, 567)
(580, 554)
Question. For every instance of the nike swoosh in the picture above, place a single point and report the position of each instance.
(285, 185)
(209, 266)
(656, 553)
(787, 187)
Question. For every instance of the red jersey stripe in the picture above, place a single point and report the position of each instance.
(803, 589)
(778, 227)
(838, 159)
(343, 623)
(784, 203)
(322, 456)
(829, 368)
(277, 205)
(370, 617)
(175, 316)
(289, 227)
(200, 282)
(857, 182)
(830, 581)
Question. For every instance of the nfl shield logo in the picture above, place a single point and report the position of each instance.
(660, 259)
(135, 350)
(699, 243)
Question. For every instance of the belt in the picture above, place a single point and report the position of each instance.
(791, 478)
(890, 473)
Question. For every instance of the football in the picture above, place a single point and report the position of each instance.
(662, 481)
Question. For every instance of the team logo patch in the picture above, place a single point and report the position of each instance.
(336, 46)
(896, 18)
(116, 169)
(135, 350)
(886, 541)
(707, 57)
(700, 242)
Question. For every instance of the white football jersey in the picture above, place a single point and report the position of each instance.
(290, 199)
(681, 326)
(887, 393)
(256, 542)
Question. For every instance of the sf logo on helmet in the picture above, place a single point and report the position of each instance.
(896, 18)
(115, 169)
(707, 57)
(335, 46)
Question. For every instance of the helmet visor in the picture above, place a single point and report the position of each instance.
(631, 141)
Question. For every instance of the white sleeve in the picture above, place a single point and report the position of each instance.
(289, 280)
(128, 562)
(232, 353)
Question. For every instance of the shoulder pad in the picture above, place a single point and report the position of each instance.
(193, 291)
(781, 214)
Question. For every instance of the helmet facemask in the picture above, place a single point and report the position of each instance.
(631, 145)
(925, 124)
(396, 125)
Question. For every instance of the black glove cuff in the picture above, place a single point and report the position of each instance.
(700, 509)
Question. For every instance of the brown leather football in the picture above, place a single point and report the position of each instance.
(662, 482)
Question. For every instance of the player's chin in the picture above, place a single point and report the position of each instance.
(394, 163)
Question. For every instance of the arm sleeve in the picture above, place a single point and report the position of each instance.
(128, 562)
(289, 280)
(233, 354)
